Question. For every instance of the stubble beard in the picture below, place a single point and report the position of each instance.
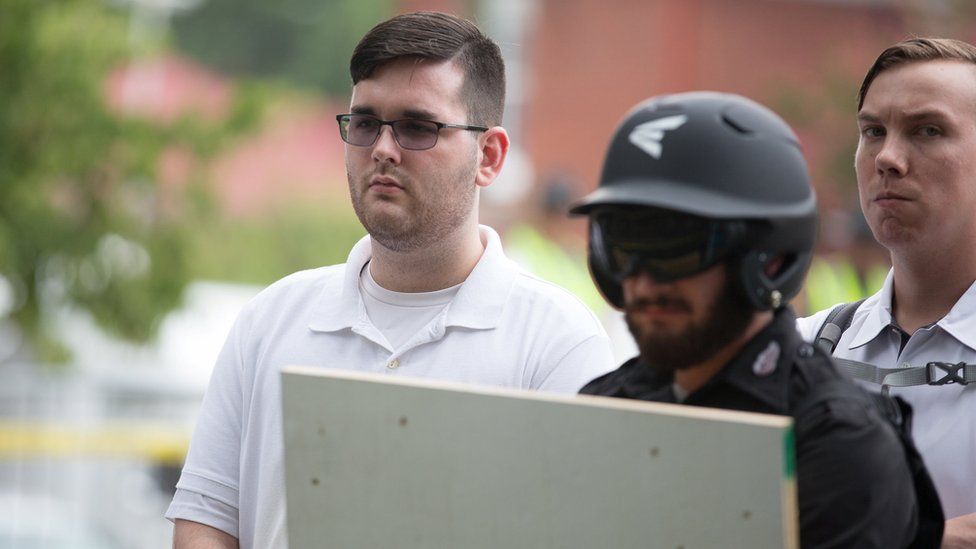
(421, 219)
(725, 321)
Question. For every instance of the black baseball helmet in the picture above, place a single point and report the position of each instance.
(699, 178)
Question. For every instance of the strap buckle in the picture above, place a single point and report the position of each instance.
(932, 369)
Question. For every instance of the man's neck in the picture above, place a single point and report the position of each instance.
(694, 377)
(441, 265)
(926, 288)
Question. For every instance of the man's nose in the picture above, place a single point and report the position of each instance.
(891, 159)
(642, 283)
(386, 148)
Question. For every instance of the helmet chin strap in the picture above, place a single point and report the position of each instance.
(772, 266)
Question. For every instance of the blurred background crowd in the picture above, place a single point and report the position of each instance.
(162, 160)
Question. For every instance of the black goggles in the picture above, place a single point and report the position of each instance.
(666, 245)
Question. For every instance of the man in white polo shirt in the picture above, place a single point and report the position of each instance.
(916, 175)
(428, 293)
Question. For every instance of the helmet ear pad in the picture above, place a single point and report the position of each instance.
(766, 292)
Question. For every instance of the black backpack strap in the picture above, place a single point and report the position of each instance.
(837, 322)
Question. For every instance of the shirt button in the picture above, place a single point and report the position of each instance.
(393, 364)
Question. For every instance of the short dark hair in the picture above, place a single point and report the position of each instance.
(439, 36)
(916, 49)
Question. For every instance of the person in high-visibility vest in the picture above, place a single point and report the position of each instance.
(848, 275)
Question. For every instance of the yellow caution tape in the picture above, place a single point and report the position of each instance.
(164, 444)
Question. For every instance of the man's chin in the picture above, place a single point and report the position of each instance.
(658, 345)
(690, 344)
(394, 234)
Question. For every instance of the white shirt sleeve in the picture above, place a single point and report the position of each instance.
(188, 505)
(212, 467)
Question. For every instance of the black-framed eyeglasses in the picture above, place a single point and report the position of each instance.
(413, 134)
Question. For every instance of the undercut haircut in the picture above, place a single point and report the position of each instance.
(913, 50)
(439, 36)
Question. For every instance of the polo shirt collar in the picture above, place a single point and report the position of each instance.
(334, 313)
(960, 322)
(479, 303)
(878, 308)
(481, 300)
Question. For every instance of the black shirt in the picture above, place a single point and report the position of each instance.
(854, 484)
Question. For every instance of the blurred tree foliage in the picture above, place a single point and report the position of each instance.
(307, 42)
(81, 217)
(261, 250)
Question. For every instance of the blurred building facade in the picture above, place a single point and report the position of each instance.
(592, 60)
(575, 67)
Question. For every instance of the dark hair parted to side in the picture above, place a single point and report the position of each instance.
(916, 49)
(439, 36)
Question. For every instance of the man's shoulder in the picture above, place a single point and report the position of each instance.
(614, 383)
(881, 300)
(533, 292)
(808, 326)
(823, 399)
(848, 444)
(300, 287)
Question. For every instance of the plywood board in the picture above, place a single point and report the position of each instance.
(376, 462)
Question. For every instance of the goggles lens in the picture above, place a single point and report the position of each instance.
(665, 244)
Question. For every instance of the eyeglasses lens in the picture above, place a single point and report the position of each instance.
(359, 130)
(415, 134)
(362, 131)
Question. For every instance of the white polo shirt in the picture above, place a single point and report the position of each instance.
(944, 424)
(504, 327)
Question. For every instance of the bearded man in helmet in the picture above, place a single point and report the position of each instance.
(701, 231)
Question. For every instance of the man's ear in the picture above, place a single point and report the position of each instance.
(494, 148)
